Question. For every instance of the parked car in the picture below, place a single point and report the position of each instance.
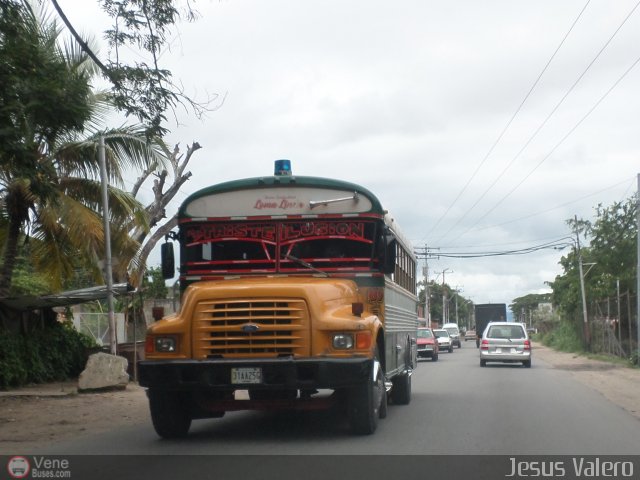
(444, 340)
(427, 344)
(454, 333)
(505, 342)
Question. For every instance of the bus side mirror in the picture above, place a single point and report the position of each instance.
(389, 266)
(168, 260)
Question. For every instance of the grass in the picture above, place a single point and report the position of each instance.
(565, 339)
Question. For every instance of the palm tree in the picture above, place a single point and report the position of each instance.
(72, 223)
(49, 173)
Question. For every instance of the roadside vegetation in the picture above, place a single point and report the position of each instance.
(607, 251)
(609, 271)
(52, 353)
(608, 256)
(52, 117)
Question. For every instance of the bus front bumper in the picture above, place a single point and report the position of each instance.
(280, 373)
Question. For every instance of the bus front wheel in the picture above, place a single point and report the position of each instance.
(368, 402)
(169, 414)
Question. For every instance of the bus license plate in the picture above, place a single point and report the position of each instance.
(246, 375)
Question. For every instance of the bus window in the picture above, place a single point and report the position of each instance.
(329, 254)
(230, 255)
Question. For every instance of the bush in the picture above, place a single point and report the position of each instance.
(634, 359)
(53, 353)
(563, 337)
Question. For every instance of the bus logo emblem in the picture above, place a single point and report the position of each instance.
(250, 328)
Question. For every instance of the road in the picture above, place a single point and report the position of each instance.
(456, 408)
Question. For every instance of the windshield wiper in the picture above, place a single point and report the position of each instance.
(304, 264)
(315, 203)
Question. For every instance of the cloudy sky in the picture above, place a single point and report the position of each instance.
(482, 126)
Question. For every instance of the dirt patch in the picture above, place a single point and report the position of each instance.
(586, 368)
(51, 413)
(37, 416)
(619, 384)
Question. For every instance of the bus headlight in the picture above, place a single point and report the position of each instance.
(165, 344)
(343, 341)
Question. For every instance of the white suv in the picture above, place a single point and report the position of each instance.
(444, 340)
(454, 333)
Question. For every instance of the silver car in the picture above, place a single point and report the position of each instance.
(505, 342)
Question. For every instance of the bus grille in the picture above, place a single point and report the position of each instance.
(255, 327)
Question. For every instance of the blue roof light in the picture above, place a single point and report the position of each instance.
(282, 167)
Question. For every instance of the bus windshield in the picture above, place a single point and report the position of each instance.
(330, 245)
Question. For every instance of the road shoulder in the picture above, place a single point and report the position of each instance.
(618, 383)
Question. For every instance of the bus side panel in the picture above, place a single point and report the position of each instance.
(400, 321)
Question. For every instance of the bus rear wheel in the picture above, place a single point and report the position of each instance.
(401, 391)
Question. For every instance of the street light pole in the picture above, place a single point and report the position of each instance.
(113, 339)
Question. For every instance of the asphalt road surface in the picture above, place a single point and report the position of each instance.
(457, 407)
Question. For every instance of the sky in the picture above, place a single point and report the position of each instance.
(481, 126)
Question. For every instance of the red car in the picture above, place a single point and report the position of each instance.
(427, 344)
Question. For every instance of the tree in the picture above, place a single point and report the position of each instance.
(528, 304)
(48, 153)
(163, 192)
(153, 285)
(611, 249)
(73, 224)
(436, 291)
(42, 96)
(70, 157)
(613, 245)
(141, 88)
(147, 91)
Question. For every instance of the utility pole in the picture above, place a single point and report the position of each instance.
(637, 276)
(427, 313)
(426, 254)
(619, 318)
(587, 333)
(457, 294)
(444, 297)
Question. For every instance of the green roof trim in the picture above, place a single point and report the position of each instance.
(282, 181)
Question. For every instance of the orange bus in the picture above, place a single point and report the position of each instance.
(296, 293)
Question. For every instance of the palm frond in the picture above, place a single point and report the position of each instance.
(123, 207)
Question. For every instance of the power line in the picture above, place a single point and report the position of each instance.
(506, 127)
(562, 140)
(557, 244)
(560, 206)
(541, 126)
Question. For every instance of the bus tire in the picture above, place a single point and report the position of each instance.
(366, 402)
(169, 415)
(383, 403)
(401, 391)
